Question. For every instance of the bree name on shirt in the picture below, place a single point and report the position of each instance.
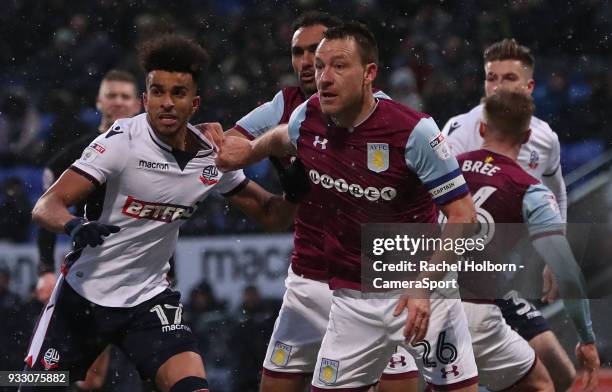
(479, 167)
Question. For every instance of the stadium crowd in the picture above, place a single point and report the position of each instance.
(232, 340)
(431, 55)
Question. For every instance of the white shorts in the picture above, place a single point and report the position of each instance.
(401, 366)
(502, 355)
(362, 333)
(299, 330)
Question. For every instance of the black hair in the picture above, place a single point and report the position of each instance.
(368, 48)
(313, 18)
(173, 53)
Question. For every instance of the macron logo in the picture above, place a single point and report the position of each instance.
(153, 165)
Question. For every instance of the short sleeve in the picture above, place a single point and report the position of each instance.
(541, 212)
(231, 183)
(259, 120)
(457, 136)
(428, 155)
(295, 122)
(106, 156)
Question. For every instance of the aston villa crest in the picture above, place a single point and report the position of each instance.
(378, 157)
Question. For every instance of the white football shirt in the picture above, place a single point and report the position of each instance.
(149, 190)
(540, 156)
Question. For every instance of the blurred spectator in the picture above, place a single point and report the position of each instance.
(19, 128)
(404, 88)
(207, 318)
(66, 126)
(88, 66)
(439, 43)
(551, 102)
(212, 327)
(11, 354)
(593, 116)
(250, 339)
(16, 207)
(202, 300)
(23, 326)
(438, 98)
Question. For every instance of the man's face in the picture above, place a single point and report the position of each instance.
(303, 46)
(170, 101)
(117, 99)
(341, 76)
(508, 74)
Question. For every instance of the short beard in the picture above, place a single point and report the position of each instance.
(308, 92)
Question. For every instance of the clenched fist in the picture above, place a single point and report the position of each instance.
(234, 153)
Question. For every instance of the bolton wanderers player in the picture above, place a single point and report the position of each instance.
(292, 352)
(506, 193)
(509, 65)
(151, 172)
(117, 98)
(370, 160)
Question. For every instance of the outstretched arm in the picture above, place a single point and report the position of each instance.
(556, 252)
(237, 152)
(271, 211)
(281, 141)
(546, 228)
(274, 212)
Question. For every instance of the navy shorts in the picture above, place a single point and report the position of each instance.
(149, 333)
(522, 316)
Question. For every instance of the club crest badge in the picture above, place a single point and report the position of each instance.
(378, 157)
(328, 372)
(51, 359)
(280, 354)
(209, 175)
